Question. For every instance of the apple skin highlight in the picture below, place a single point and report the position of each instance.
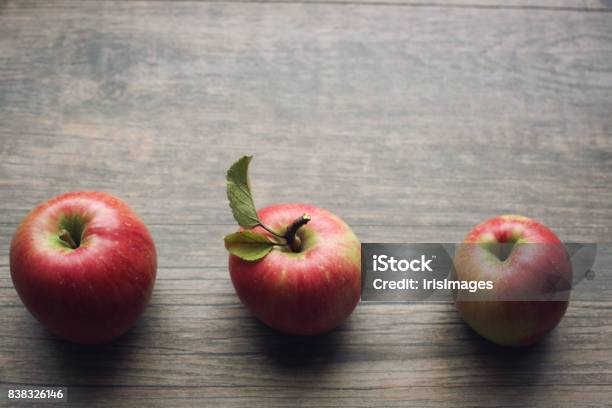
(92, 293)
(526, 271)
(305, 293)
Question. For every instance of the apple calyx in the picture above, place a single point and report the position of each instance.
(248, 244)
(294, 241)
(501, 249)
(65, 236)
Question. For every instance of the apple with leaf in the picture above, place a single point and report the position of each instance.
(296, 267)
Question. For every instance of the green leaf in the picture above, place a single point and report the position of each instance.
(248, 245)
(239, 194)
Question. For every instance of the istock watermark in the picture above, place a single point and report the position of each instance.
(516, 271)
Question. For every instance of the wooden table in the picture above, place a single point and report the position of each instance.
(412, 120)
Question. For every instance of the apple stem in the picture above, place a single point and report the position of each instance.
(65, 236)
(293, 241)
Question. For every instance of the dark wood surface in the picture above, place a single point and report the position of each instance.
(412, 121)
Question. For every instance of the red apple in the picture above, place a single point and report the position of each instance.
(308, 290)
(534, 269)
(84, 265)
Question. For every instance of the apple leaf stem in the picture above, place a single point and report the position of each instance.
(270, 230)
(293, 241)
(65, 236)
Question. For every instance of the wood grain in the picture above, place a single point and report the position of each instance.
(412, 121)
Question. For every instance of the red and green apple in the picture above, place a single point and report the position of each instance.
(296, 267)
(84, 265)
(531, 274)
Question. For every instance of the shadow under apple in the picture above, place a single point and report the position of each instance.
(505, 369)
(91, 372)
(287, 351)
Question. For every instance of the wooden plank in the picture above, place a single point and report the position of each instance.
(213, 343)
(411, 121)
(180, 246)
(559, 5)
(197, 343)
(440, 106)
